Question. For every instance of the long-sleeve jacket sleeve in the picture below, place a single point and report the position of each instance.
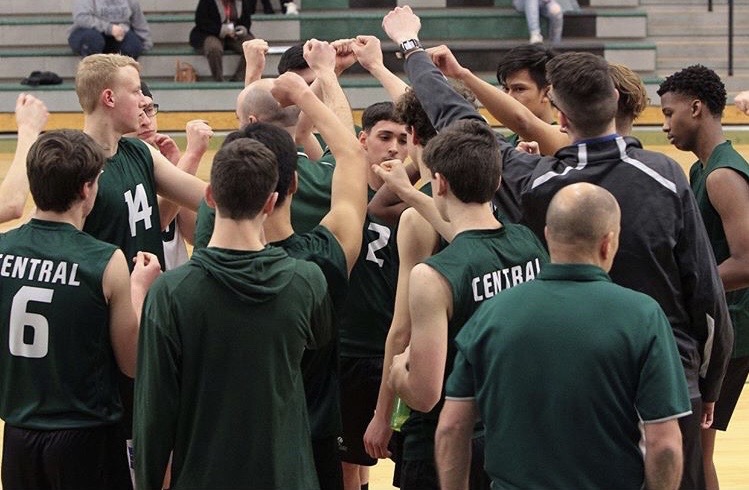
(139, 25)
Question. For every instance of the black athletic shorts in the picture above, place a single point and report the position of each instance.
(75, 459)
(693, 476)
(730, 391)
(360, 384)
(422, 475)
(328, 463)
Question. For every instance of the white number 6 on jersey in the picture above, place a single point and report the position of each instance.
(20, 318)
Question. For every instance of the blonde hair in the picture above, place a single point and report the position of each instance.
(95, 74)
(633, 98)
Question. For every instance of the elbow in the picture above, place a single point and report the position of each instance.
(425, 401)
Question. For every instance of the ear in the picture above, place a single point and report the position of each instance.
(696, 107)
(563, 121)
(499, 183)
(294, 184)
(252, 119)
(607, 247)
(363, 139)
(416, 140)
(545, 95)
(107, 97)
(270, 203)
(86, 190)
(209, 197)
(442, 184)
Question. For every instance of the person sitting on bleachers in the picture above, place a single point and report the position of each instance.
(109, 26)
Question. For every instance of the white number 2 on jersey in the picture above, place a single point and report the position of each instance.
(20, 318)
(383, 233)
(138, 208)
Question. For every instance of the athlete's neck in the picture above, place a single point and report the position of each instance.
(102, 131)
(278, 225)
(232, 234)
(472, 216)
(73, 216)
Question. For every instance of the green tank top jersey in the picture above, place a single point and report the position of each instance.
(219, 379)
(371, 294)
(320, 366)
(126, 211)
(478, 265)
(56, 362)
(312, 199)
(723, 156)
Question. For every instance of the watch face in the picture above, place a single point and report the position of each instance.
(410, 44)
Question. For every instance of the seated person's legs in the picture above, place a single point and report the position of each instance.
(131, 46)
(86, 41)
(553, 11)
(531, 10)
(213, 49)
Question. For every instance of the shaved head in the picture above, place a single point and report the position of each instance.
(256, 101)
(579, 217)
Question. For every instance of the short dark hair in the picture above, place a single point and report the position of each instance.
(243, 175)
(583, 90)
(280, 143)
(379, 111)
(699, 82)
(531, 57)
(467, 154)
(408, 111)
(292, 59)
(58, 164)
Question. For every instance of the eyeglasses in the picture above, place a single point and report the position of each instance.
(151, 110)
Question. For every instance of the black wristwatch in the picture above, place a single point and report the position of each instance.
(408, 47)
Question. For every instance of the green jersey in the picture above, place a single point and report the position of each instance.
(320, 366)
(478, 265)
(312, 199)
(368, 311)
(126, 211)
(219, 379)
(563, 370)
(56, 365)
(723, 156)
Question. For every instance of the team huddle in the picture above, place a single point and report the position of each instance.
(559, 308)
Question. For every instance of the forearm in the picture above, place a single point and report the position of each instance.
(394, 86)
(15, 187)
(167, 212)
(186, 221)
(334, 97)
(424, 205)
(440, 101)
(515, 115)
(734, 272)
(306, 139)
(663, 468)
(453, 455)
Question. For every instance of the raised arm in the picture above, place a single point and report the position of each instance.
(440, 101)
(333, 119)
(254, 52)
(198, 134)
(174, 184)
(31, 117)
(368, 53)
(507, 110)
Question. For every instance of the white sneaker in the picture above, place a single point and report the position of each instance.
(292, 9)
(536, 38)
